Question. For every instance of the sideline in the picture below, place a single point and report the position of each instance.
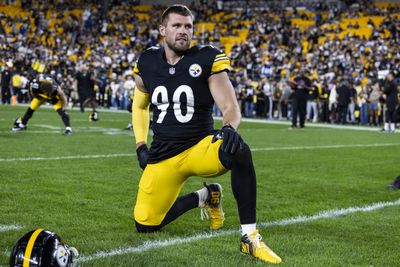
(262, 121)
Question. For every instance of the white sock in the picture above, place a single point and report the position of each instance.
(68, 128)
(386, 127)
(248, 228)
(203, 195)
(392, 127)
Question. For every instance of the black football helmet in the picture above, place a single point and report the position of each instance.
(93, 116)
(40, 248)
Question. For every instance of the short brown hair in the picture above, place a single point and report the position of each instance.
(47, 87)
(176, 9)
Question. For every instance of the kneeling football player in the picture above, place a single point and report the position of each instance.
(181, 84)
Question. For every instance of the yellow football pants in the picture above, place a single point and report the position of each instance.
(36, 103)
(162, 182)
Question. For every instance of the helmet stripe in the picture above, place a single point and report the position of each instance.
(29, 247)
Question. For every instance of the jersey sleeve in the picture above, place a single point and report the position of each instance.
(221, 63)
(136, 68)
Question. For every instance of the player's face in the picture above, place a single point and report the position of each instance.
(177, 32)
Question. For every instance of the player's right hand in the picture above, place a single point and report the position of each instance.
(231, 140)
(142, 153)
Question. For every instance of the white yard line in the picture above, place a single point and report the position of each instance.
(4, 228)
(318, 125)
(67, 157)
(156, 244)
(324, 147)
(253, 149)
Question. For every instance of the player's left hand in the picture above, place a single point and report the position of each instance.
(142, 155)
(231, 139)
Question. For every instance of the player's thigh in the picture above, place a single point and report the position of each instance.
(203, 159)
(159, 187)
(58, 105)
(35, 103)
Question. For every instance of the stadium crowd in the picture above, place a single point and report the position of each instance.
(92, 51)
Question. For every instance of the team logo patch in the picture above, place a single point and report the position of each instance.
(195, 70)
(172, 70)
(62, 256)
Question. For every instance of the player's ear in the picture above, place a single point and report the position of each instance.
(162, 30)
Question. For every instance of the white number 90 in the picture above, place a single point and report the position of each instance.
(164, 104)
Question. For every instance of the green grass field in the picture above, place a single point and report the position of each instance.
(83, 187)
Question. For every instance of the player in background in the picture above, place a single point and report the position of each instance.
(181, 84)
(45, 89)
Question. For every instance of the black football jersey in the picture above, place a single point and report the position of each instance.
(37, 91)
(180, 97)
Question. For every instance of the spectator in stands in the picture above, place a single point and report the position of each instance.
(249, 99)
(285, 92)
(272, 43)
(268, 90)
(344, 96)
(352, 105)
(312, 98)
(324, 102)
(374, 104)
(260, 103)
(363, 105)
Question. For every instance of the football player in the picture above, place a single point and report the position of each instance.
(181, 84)
(45, 89)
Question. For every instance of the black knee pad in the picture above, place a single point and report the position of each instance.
(63, 114)
(241, 157)
(147, 228)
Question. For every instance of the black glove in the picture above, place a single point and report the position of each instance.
(143, 156)
(231, 139)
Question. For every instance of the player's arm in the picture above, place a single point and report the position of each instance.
(140, 112)
(224, 96)
(141, 120)
(62, 97)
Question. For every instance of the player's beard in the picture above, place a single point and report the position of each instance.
(178, 46)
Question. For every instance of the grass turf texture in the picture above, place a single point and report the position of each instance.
(89, 201)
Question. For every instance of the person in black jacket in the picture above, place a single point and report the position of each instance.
(5, 84)
(301, 86)
(344, 92)
(390, 95)
(86, 92)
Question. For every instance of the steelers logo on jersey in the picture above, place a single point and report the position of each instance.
(195, 70)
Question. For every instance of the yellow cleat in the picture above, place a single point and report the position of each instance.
(212, 208)
(252, 245)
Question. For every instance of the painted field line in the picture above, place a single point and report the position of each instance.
(253, 149)
(262, 121)
(4, 228)
(67, 157)
(156, 244)
(324, 147)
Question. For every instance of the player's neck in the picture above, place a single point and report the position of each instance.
(172, 57)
